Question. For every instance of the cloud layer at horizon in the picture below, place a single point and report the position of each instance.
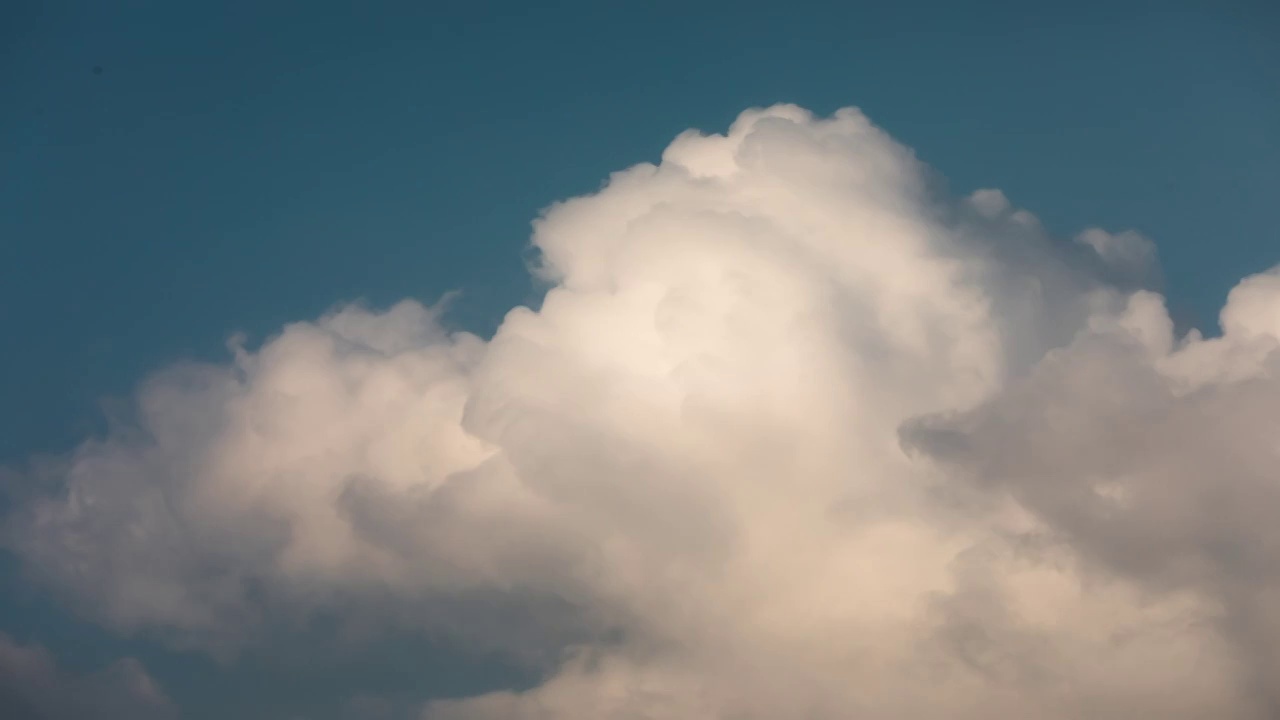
(794, 433)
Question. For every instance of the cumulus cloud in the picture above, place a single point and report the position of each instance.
(32, 687)
(794, 433)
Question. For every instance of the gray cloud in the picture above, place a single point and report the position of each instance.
(32, 687)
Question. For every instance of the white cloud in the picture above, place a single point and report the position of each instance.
(32, 687)
(792, 435)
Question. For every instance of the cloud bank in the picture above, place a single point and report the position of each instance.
(794, 433)
(33, 687)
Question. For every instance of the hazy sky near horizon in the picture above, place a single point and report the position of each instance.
(171, 176)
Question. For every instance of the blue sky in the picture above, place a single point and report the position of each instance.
(236, 166)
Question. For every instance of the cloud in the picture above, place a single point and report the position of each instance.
(32, 687)
(793, 434)
(1153, 461)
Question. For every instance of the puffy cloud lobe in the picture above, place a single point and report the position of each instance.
(793, 434)
(32, 687)
(1150, 463)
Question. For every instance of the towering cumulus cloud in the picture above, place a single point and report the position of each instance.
(793, 435)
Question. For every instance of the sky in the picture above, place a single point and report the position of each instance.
(231, 493)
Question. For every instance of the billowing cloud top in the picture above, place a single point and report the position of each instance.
(793, 435)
